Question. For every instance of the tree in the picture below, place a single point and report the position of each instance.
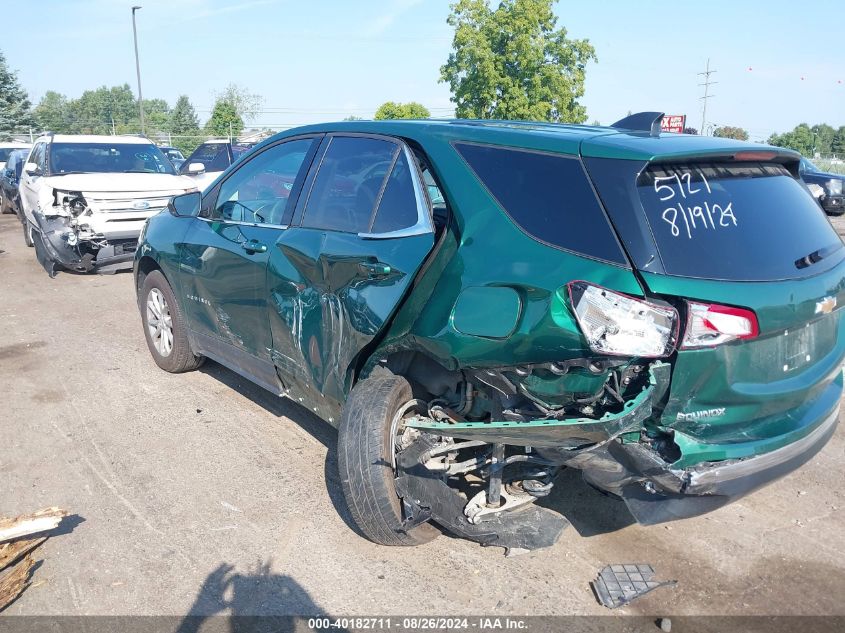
(690, 130)
(728, 131)
(838, 144)
(513, 63)
(245, 103)
(52, 114)
(410, 110)
(15, 107)
(353, 117)
(224, 121)
(800, 139)
(185, 126)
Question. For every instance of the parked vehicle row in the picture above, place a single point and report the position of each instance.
(827, 187)
(211, 159)
(10, 176)
(478, 304)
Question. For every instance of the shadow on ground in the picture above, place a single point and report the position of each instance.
(321, 430)
(256, 601)
(590, 511)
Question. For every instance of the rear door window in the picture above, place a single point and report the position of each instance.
(548, 196)
(349, 183)
(735, 221)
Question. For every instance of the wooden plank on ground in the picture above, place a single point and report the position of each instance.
(14, 581)
(10, 553)
(27, 524)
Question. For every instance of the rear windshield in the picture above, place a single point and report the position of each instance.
(741, 222)
(548, 196)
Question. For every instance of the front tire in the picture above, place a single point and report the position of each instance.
(164, 326)
(365, 453)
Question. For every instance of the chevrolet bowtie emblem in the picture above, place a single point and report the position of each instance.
(826, 305)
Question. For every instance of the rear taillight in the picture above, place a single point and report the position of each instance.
(620, 325)
(709, 325)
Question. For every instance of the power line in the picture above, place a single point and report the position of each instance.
(707, 83)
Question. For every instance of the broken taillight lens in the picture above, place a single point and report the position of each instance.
(620, 325)
(709, 325)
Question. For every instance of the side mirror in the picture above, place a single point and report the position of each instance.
(32, 169)
(196, 168)
(187, 205)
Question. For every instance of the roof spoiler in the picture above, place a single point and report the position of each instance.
(641, 122)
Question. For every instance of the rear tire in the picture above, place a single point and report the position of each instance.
(164, 326)
(365, 452)
(27, 233)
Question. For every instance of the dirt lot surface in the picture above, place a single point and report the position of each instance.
(201, 493)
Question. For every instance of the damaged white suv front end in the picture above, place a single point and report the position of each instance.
(85, 204)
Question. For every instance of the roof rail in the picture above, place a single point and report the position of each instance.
(641, 122)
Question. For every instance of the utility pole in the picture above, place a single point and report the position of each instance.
(138, 69)
(707, 83)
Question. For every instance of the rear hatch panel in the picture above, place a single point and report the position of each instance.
(775, 254)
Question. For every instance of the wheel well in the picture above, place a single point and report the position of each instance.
(145, 266)
(424, 372)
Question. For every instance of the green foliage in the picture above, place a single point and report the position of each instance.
(245, 103)
(14, 102)
(410, 110)
(729, 131)
(184, 126)
(52, 114)
(224, 121)
(800, 139)
(513, 63)
(101, 111)
(837, 145)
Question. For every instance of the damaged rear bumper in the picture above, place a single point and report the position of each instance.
(655, 493)
(653, 490)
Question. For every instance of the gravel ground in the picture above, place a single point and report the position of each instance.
(201, 493)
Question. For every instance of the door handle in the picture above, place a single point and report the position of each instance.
(374, 269)
(254, 247)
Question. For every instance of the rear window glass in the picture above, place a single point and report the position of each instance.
(741, 222)
(548, 196)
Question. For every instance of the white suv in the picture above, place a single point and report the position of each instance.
(86, 198)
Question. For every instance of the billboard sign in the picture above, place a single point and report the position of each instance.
(673, 123)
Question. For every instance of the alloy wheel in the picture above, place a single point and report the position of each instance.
(160, 322)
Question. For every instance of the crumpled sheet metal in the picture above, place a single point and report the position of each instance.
(617, 585)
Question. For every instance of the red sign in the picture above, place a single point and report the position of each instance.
(673, 123)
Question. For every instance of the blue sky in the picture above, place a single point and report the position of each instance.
(325, 59)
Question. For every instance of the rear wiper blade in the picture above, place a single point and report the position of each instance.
(815, 257)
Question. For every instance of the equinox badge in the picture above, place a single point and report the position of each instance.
(826, 305)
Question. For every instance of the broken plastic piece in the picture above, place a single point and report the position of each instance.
(617, 585)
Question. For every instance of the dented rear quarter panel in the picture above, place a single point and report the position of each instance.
(484, 249)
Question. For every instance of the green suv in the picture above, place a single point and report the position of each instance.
(478, 304)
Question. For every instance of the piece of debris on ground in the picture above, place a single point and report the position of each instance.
(16, 547)
(617, 585)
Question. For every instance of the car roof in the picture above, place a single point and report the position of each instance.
(587, 140)
(97, 138)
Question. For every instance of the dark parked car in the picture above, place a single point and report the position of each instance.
(210, 159)
(10, 178)
(831, 196)
(478, 304)
(174, 155)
